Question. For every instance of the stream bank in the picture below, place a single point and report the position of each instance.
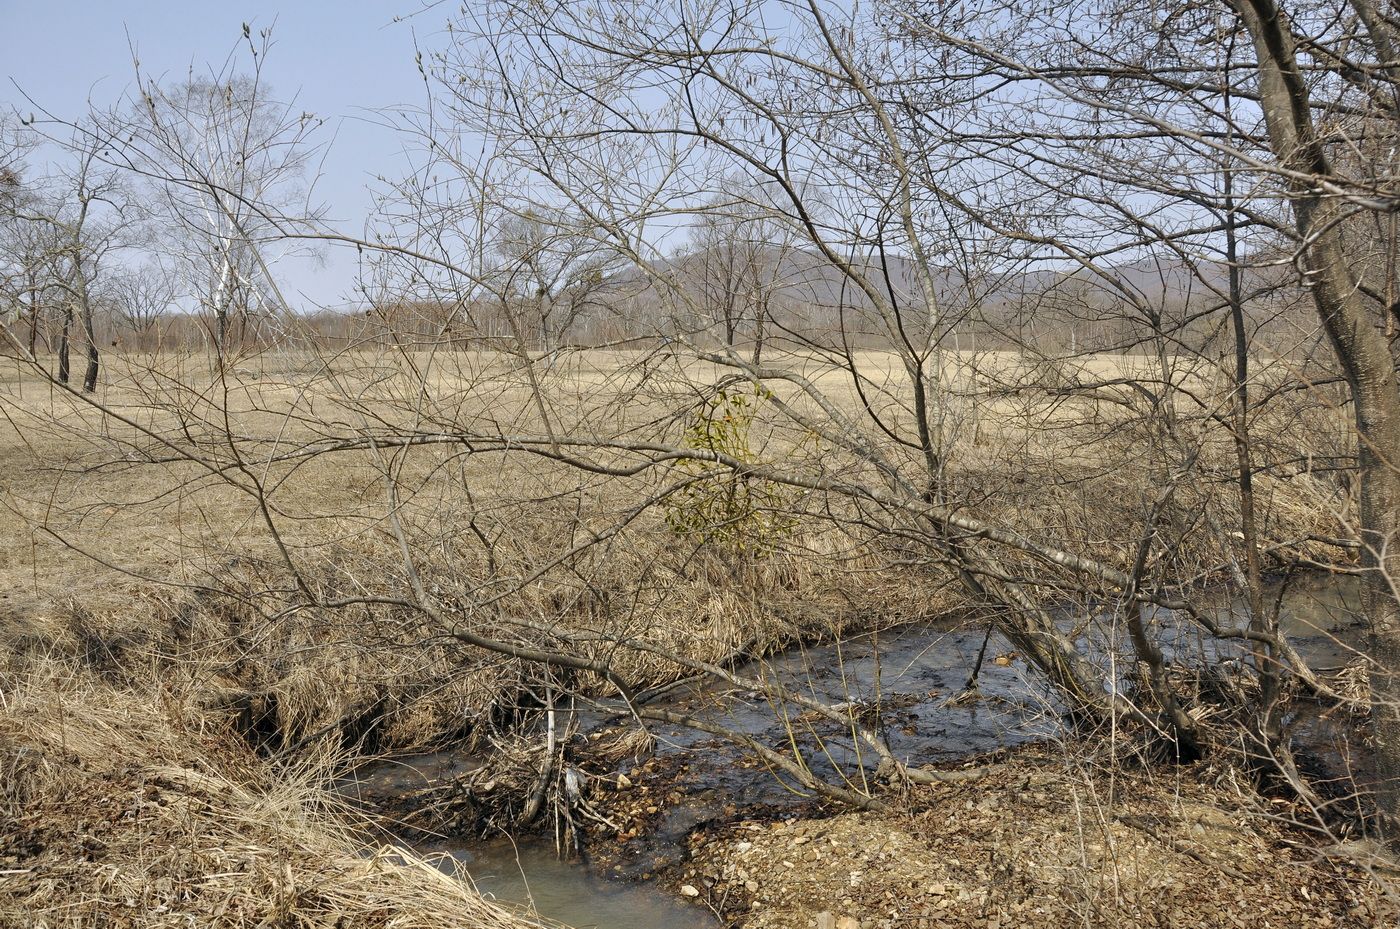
(1047, 840)
(681, 811)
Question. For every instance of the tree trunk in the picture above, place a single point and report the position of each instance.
(1365, 359)
(63, 367)
(90, 376)
(33, 321)
(759, 325)
(220, 335)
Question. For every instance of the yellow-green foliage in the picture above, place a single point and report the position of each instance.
(723, 506)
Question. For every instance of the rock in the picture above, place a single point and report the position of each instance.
(623, 782)
(689, 890)
(826, 920)
(751, 886)
(847, 922)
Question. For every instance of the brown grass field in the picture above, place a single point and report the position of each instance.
(165, 525)
(153, 545)
(82, 503)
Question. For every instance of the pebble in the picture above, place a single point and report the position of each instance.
(689, 890)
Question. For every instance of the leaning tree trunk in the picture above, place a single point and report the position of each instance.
(1364, 357)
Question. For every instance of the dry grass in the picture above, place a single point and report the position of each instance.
(172, 602)
(122, 810)
(510, 531)
(191, 581)
(1072, 469)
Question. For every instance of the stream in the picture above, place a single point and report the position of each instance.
(532, 875)
(913, 676)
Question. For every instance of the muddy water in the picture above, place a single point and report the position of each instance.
(528, 876)
(1321, 614)
(911, 676)
(532, 877)
(913, 680)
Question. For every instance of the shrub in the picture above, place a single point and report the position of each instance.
(729, 508)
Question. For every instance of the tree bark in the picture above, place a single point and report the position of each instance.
(1366, 363)
(90, 376)
(33, 316)
(63, 366)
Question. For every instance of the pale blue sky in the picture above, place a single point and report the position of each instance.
(343, 59)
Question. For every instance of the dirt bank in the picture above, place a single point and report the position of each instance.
(1041, 843)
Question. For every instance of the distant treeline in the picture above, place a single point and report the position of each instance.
(1055, 314)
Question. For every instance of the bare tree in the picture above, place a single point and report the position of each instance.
(551, 273)
(226, 167)
(1259, 121)
(938, 204)
(1326, 204)
(738, 260)
(17, 271)
(76, 221)
(934, 175)
(13, 149)
(141, 298)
